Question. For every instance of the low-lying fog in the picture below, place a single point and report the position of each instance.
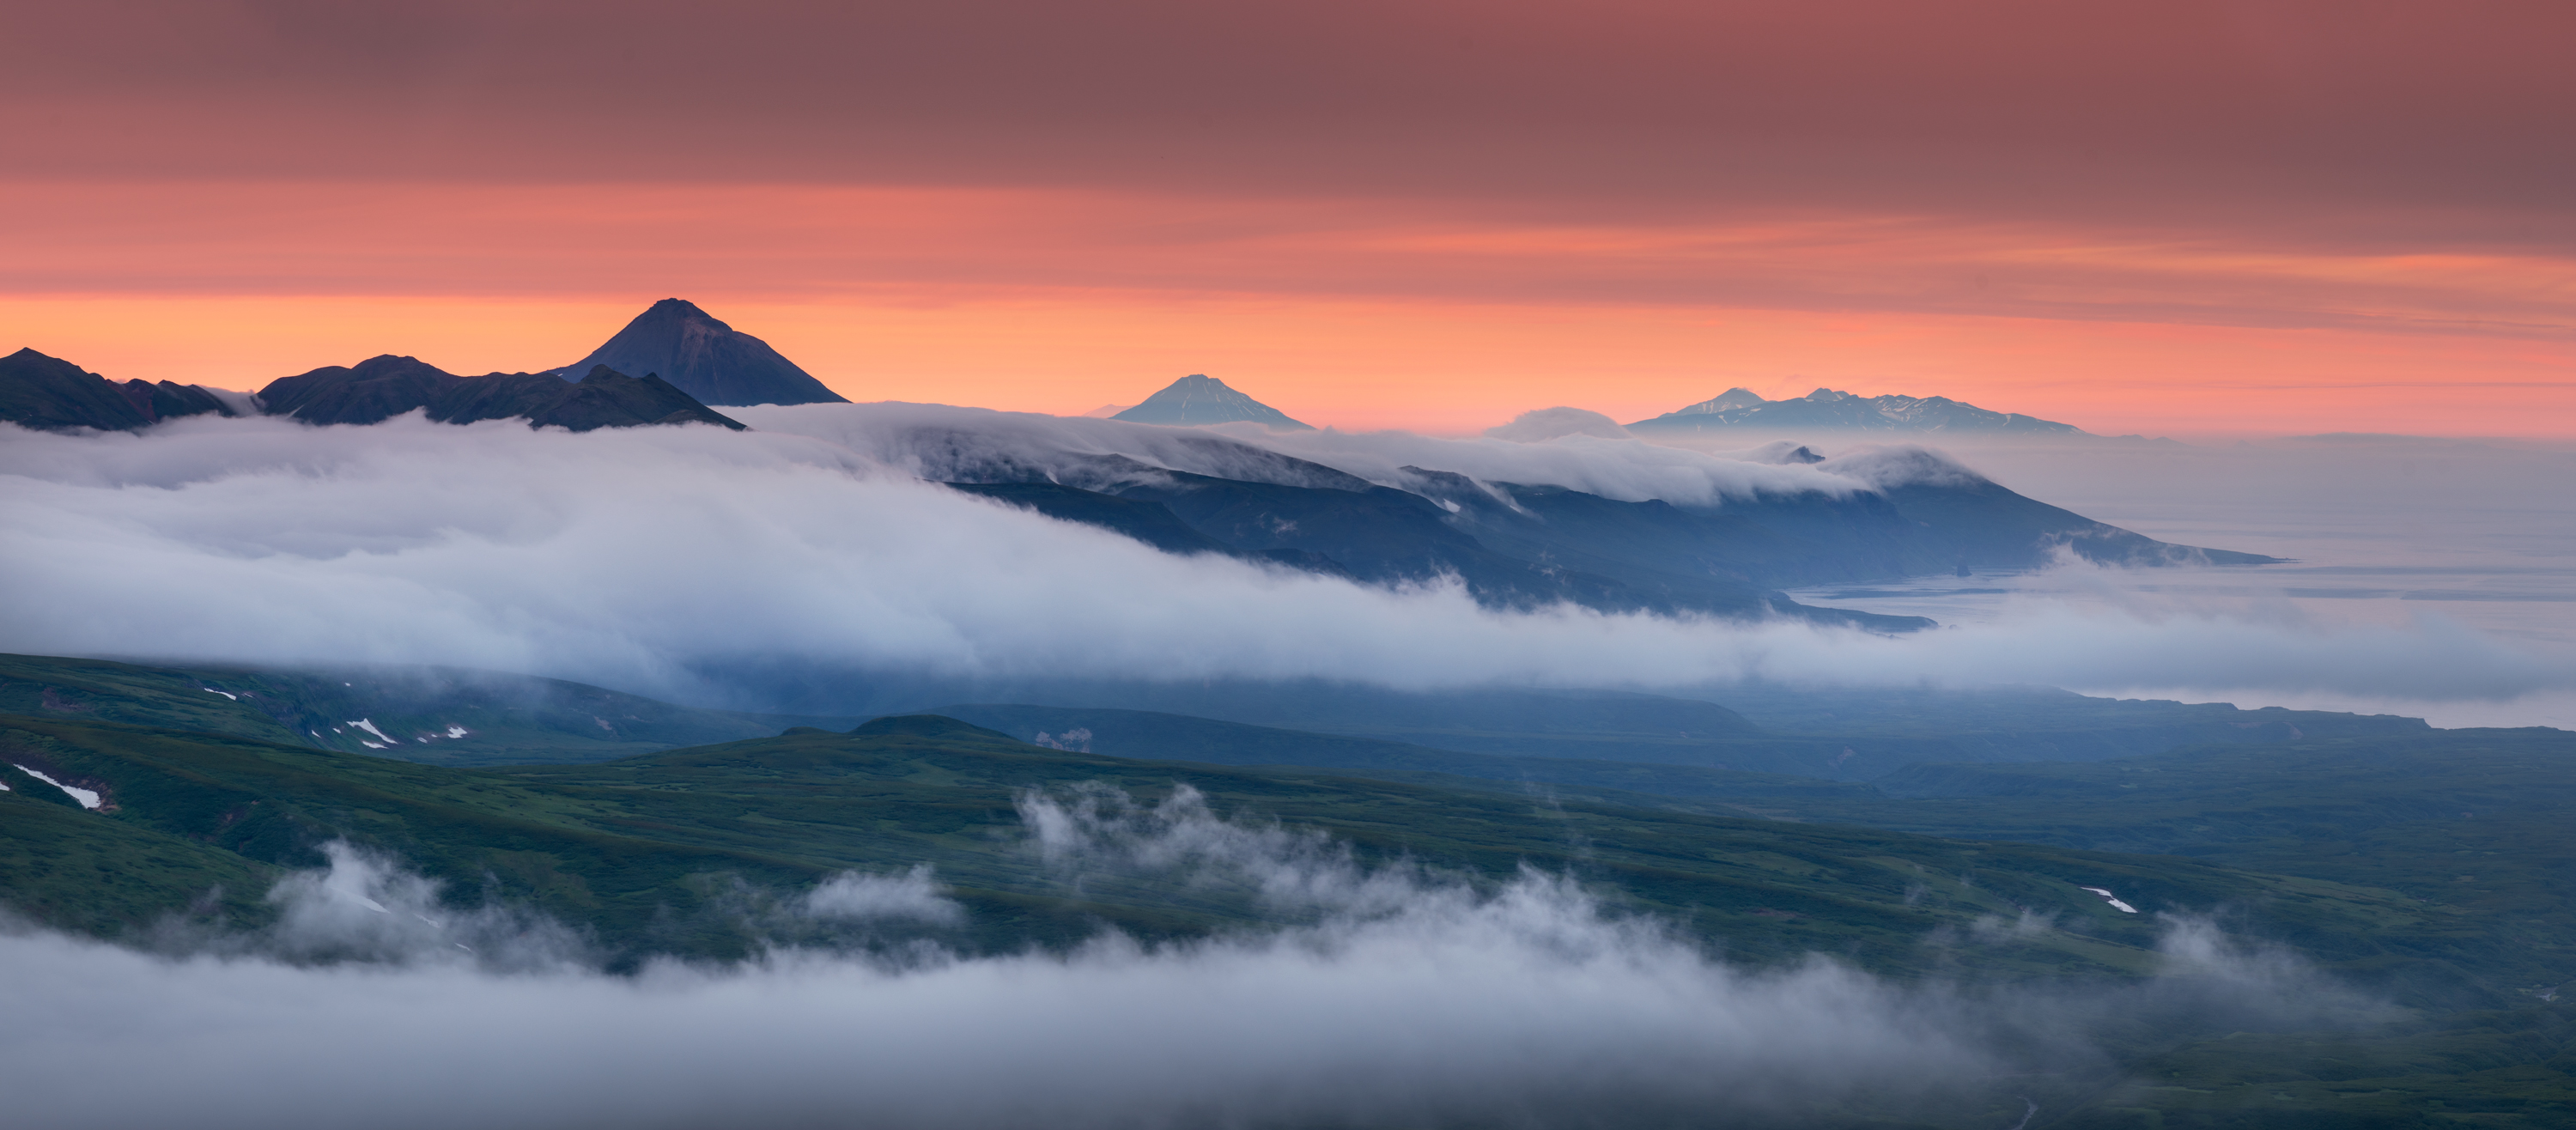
(2384, 530)
(1404, 998)
(640, 558)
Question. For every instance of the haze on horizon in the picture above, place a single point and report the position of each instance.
(2255, 218)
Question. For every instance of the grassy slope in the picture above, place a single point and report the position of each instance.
(2469, 821)
(632, 846)
(509, 719)
(2470, 824)
(1156, 736)
(1825, 734)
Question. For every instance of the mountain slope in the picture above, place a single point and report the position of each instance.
(51, 394)
(1668, 746)
(2471, 823)
(705, 358)
(435, 715)
(1202, 399)
(376, 389)
(607, 398)
(1517, 545)
(647, 850)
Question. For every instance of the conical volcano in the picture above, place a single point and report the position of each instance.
(705, 358)
(1202, 399)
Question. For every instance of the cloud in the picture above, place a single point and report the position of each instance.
(1651, 109)
(1395, 997)
(860, 897)
(943, 443)
(636, 558)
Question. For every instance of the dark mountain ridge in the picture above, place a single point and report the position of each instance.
(380, 388)
(705, 358)
(51, 394)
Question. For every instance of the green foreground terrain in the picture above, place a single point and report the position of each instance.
(2425, 868)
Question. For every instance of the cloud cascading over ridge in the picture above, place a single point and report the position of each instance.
(635, 557)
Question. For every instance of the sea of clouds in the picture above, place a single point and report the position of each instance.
(643, 558)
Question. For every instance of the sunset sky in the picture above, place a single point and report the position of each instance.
(2195, 219)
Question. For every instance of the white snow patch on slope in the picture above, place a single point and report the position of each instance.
(2116, 904)
(88, 798)
(226, 694)
(370, 727)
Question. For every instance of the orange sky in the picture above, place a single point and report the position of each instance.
(2202, 220)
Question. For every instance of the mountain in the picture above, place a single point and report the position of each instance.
(1843, 411)
(51, 394)
(705, 358)
(1521, 545)
(1202, 399)
(376, 389)
(380, 388)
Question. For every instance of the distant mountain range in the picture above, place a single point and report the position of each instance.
(704, 358)
(1199, 399)
(53, 394)
(689, 361)
(1868, 516)
(1826, 409)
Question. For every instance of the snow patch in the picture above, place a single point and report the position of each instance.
(370, 727)
(88, 798)
(369, 744)
(226, 694)
(455, 731)
(2116, 904)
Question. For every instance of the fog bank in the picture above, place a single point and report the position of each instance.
(636, 558)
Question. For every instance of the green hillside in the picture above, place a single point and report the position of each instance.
(436, 715)
(697, 851)
(627, 846)
(2472, 822)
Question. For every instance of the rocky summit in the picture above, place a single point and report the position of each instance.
(705, 358)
